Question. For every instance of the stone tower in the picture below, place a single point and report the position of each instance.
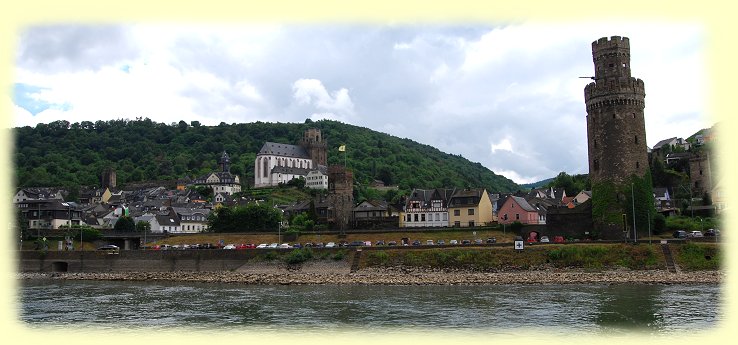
(341, 194)
(616, 133)
(108, 178)
(316, 147)
(616, 127)
(700, 175)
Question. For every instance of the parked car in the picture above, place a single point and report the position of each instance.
(428, 242)
(544, 239)
(284, 246)
(356, 244)
(491, 240)
(695, 234)
(330, 245)
(478, 241)
(559, 239)
(379, 243)
(109, 247)
(262, 246)
(453, 242)
(230, 246)
(680, 234)
(319, 245)
(441, 242)
(297, 245)
(392, 243)
(465, 242)
(416, 242)
(712, 233)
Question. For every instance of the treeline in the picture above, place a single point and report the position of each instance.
(74, 154)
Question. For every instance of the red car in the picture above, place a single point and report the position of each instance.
(559, 239)
(246, 246)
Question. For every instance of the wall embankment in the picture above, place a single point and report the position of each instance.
(135, 261)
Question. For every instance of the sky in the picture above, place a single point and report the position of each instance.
(507, 95)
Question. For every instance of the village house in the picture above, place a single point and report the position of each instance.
(426, 208)
(470, 208)
(516, 208)
(221, 181)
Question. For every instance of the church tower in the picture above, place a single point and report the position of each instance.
(316, 147)
(225, 162)
(616, 133)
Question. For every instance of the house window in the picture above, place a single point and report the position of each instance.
(471, 223)
(416, 217)
(457, 224)
(422, 217)
(505, 217)
(438, 217)
(457, 213)
(470, 212)
(517, 216)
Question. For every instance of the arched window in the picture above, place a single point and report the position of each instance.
(265, 164)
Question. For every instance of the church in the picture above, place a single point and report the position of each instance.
(279, 163)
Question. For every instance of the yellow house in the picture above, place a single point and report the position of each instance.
(469, 208)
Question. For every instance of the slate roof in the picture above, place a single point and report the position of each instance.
(523, 204)
(283, 150)
(465, 197)
(290, 170)
(663, 142)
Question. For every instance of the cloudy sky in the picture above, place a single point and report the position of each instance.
(506, 95)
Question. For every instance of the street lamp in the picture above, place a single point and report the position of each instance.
(632, 201)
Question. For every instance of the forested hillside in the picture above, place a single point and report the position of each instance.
(74, 154)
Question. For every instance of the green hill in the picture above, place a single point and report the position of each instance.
(74, 154)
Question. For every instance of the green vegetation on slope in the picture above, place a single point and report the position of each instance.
(74, 154)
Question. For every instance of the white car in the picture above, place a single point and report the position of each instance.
(285, 245)
(544, 239)
(230, 246)
(453, 242)
(273, 245)
(696, 234)
(262, 246)
(330, 245)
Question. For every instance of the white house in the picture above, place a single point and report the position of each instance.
(316, 179)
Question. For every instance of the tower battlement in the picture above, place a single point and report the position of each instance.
(620, 86)
(614, 42)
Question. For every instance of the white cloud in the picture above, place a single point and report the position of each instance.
(312, 92)
(503, 145)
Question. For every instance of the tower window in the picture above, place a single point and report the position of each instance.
(612, 65)
(624, 65)
(596, 165)
(613, 116)
(636, 139)
(638, 165)
(595, 143)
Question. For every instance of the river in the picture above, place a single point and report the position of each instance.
(495, 309)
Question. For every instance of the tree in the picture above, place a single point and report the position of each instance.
(143, 226)
(125, 223)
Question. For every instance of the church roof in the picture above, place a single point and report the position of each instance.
(284, 150)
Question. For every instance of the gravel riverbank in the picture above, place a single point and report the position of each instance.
(339, 275)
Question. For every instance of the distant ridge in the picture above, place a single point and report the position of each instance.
(74, 154)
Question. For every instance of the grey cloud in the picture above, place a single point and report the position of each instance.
(58, 48)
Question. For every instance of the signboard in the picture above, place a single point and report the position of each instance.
(518, 244)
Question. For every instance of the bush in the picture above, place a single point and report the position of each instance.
(297, 256)
(378, 258)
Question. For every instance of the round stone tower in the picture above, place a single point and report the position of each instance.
(616, 128)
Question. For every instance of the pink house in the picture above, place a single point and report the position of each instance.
(516, 208)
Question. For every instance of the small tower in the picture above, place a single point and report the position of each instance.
(108, 179)
(312, 141)
(616, 133)
(341, 194)
(225, 162)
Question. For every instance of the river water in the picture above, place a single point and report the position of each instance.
(494, 309)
